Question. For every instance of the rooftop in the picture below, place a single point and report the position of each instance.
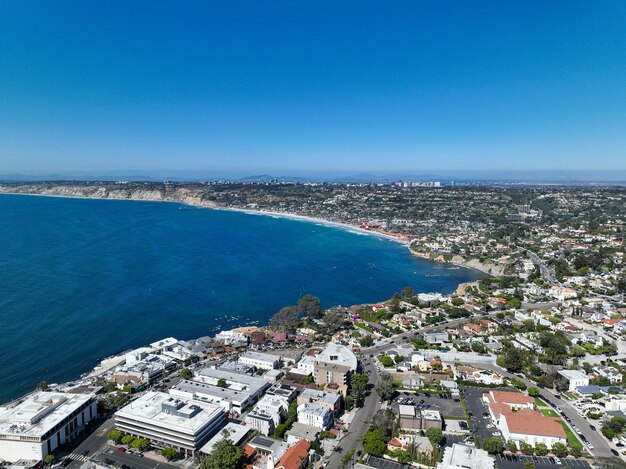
(339, 355)
(461, 456)
(192, 415)
(233, 431)
(39, 413)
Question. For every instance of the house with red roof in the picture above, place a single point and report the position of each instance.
(514, 414)
(296, 457)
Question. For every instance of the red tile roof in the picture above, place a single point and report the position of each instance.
(510, 397)
(295, 456)
(532, 422)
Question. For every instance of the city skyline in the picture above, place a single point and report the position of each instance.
(287, 90)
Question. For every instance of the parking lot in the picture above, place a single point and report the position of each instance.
(541, 462)
(448, 407)
(479, 414)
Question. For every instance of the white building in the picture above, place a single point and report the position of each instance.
(315, 415)
(464, 457)
(183, 424)
(575, 378)
(273, 405)
(335, 354)
(263, 361)
(35, 427)
(610, 373)
(262, 422)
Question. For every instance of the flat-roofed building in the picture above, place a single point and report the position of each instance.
(262, 422)
(412, 418)
(255, 386)
(574, 378)
(231, 400)
(315, 415)
(36, 426)
(330, 400)
(232, 431)
(263, 361)
(184, 424)
(283, 390)
(464, 457)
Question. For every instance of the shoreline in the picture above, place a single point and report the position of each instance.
(292, 216)
(308, 219)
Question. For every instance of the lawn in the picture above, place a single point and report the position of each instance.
(540, 402)
(364, 327)
(549, 412)
(572, 439)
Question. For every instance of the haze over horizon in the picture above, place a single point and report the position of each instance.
(284, 89)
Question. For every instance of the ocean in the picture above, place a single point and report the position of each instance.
(81, 280)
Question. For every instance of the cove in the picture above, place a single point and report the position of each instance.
(82, 279)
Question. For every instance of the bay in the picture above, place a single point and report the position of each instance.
(82, 279)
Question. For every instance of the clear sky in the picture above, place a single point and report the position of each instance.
(291, 86)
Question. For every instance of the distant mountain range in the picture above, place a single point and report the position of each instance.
(445, 176)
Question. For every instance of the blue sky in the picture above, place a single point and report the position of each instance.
(290, 87)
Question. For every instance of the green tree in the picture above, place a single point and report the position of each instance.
(169, 453)
(385, 421)
(347, 457)
(386, 361)
(559, 449)
(526, 448)
(127, 439)
(115, 436)
(224, 455)
(613, 427)
(221, 383)
(286, 320)
(533, 392)
(541, 449)
(309, 307)
(511, 359)
(49, 459)
(529, 465)
(366, 341)
(576, 451)
(493, 445)
(186, 373)
(374, 443)
(458, 301)
(140, 443)
(358, 384)
(398, 359)
(434, 435)
(511, 446)
(334, 320)
(384, 387)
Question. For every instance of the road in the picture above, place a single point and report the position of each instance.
(393, 342)
(358, 426)
(96, 447)
(600, 444)
(547, 273)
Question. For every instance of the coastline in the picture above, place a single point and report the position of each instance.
(338, 225)
(474, 264)
(292, 216)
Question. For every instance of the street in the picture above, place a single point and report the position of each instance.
(359, 425)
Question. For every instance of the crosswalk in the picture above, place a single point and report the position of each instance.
(77, 457)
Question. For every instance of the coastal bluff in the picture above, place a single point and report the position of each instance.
(115, 191)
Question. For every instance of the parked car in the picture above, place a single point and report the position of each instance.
(558, 461)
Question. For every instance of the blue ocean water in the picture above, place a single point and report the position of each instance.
(81, 280)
